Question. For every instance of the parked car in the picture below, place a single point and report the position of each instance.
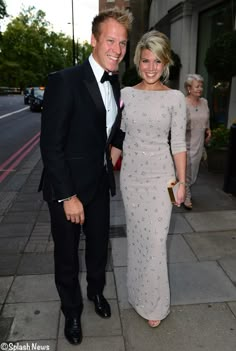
(36, 98)
(26, 95)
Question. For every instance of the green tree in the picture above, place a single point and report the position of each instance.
(3, 11)
(30, 50)
(220, 58)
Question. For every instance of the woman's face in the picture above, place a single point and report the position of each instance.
(196, 88)
(150, 67)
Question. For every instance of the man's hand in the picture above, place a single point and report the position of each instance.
(74, 210)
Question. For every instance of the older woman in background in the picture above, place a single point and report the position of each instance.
(197, 132)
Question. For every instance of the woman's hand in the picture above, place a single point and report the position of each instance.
(208, 135)
(180, 194)
(115, 154)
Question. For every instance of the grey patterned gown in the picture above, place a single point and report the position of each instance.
(147, 167)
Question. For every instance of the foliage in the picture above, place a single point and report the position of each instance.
(175, 68)
(131, 77)
(30, 50)
(3, 11)
(219, 138)
(220, 58)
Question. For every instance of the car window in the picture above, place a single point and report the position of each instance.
(38, 92)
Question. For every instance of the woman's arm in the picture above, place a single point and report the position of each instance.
(180, 165)
(115, 154)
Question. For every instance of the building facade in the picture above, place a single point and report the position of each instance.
(192, 26)
(106, 4)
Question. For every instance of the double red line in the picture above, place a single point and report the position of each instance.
(9, 165)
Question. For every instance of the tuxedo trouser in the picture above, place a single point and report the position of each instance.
(66, 249)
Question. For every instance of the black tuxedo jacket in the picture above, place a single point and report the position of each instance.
(73, 135)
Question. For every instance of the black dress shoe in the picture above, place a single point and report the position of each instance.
(102, 307)
(72, 331)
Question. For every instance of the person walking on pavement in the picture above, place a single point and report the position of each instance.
(80, 122)
(198, 130)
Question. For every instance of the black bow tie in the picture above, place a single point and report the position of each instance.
(109, 76)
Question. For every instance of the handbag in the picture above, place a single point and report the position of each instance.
(172, 188)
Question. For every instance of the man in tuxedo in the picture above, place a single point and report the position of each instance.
(80, 122)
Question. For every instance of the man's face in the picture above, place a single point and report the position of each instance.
(110, 47)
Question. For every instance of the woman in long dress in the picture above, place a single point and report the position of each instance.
(197, 132)
(151, 111)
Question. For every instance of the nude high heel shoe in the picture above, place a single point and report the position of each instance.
(154, 324)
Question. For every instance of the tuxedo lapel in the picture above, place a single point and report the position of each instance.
(116, 93)
(99, 114)
(93, 89)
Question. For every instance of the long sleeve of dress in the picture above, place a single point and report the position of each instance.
(178, 124)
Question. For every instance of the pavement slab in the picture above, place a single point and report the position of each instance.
(26, 205)
(37, 245)
(36, 263)
(8, 230)
(178, 250)
(212, 221)
(194, 327)
(120, 274)
(114, 343)
(33, 288)
(16, 182)
(6, 199)
(41, 230)
(232, 306)
(219, 200)
(178, 224)
(229, 266)
(12, 245)
(44, 216)
(5, 326)
(19, 217)
(9, 263)
(119, 252)
(5, 284)
(32, 321)
(199, 282)
(212, 245)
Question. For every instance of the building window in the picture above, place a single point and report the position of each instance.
(212, 23)
(110, 0)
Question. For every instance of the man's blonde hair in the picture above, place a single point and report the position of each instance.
(124, 17)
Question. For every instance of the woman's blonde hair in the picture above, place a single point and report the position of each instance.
(189, 80)
(159, 44)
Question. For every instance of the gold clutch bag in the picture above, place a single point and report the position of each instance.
(172, 188)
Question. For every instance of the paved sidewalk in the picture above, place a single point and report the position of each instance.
(202, 268)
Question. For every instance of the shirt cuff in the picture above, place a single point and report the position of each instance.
(67, 198)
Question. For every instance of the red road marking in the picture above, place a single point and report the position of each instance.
(22, 152)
